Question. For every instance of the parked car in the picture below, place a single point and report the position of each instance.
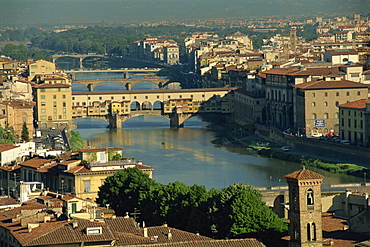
(285, 149)
(345, 142)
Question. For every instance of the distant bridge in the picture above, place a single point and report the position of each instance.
(175, 105)
(128, 83)
(80, 56)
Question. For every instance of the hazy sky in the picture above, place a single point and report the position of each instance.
(56, 12)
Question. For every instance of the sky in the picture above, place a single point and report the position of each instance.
(61, 12)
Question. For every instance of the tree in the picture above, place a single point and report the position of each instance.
(7, 135)
(76, 142)
(231, 212)
(125, 190)
(240, 210)
(25, 136)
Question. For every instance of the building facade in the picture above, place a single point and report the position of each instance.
(316, 104)
(355, 122)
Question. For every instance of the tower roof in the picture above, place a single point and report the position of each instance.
(304, 174)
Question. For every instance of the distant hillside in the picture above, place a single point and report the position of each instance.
(58, 12)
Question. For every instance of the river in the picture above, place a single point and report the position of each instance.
(187, 154)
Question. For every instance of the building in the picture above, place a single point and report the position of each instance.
(341, 56)
(53, 108)
(316, 104)
(40, 67)
(355, 122)
(18, 112)
(305, 226)
(248, 107)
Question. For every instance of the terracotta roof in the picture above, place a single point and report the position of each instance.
(7, 146)
(18, 103)
(358, 104)
(46, 85)
(37, 162)
(249, 242)
(333, 231)
(7, 200)
(61, 232)
(322, 84)
(342, 52)
(304, 174)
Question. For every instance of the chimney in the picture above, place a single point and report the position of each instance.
(74, 224)
(145, 232)
(169, 235)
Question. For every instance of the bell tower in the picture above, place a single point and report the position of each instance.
(305, 228)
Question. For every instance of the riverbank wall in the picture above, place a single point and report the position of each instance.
(323, 149)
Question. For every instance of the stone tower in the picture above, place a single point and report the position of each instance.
(305, 228)
(293, 39)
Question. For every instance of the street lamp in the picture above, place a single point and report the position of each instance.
(62, 186)
(364, 178)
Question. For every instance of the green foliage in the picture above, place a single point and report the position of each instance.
(349, 169)
(114, 155)
(7, 135)
(75, 141)
(25, 136)
(230, 212)
(21, 53)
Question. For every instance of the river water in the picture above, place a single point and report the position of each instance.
(187, 154)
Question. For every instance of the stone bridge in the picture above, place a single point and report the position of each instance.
(128, 83)
(80, 56)
(175, 105)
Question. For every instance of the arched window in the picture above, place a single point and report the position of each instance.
(325, 103)
(310, 197)
(326, 115)
(313, 115)
(313, 104)
(309, 232)
(336, 115)
(336, 103)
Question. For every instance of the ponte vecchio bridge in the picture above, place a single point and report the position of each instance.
(175, 105)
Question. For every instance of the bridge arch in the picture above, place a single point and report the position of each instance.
(79, 56)
(146, 106)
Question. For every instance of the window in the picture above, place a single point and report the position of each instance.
(309, 197)
(313, 104)
(326, 115)
(87, 186)
(43, 104)
(355, 75)
(325, 103)
(313, 115)
(337, 93)
(64, 104)
(54, 104)
(42, 90)
(347, 93)
(336, 103)
(326, 94)
(54, 89)
(358, 93)
(43, 110)
(63, 89)
(42, 96)
(43, 117)
(336, 115)
(55, 111)
(54, 96)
